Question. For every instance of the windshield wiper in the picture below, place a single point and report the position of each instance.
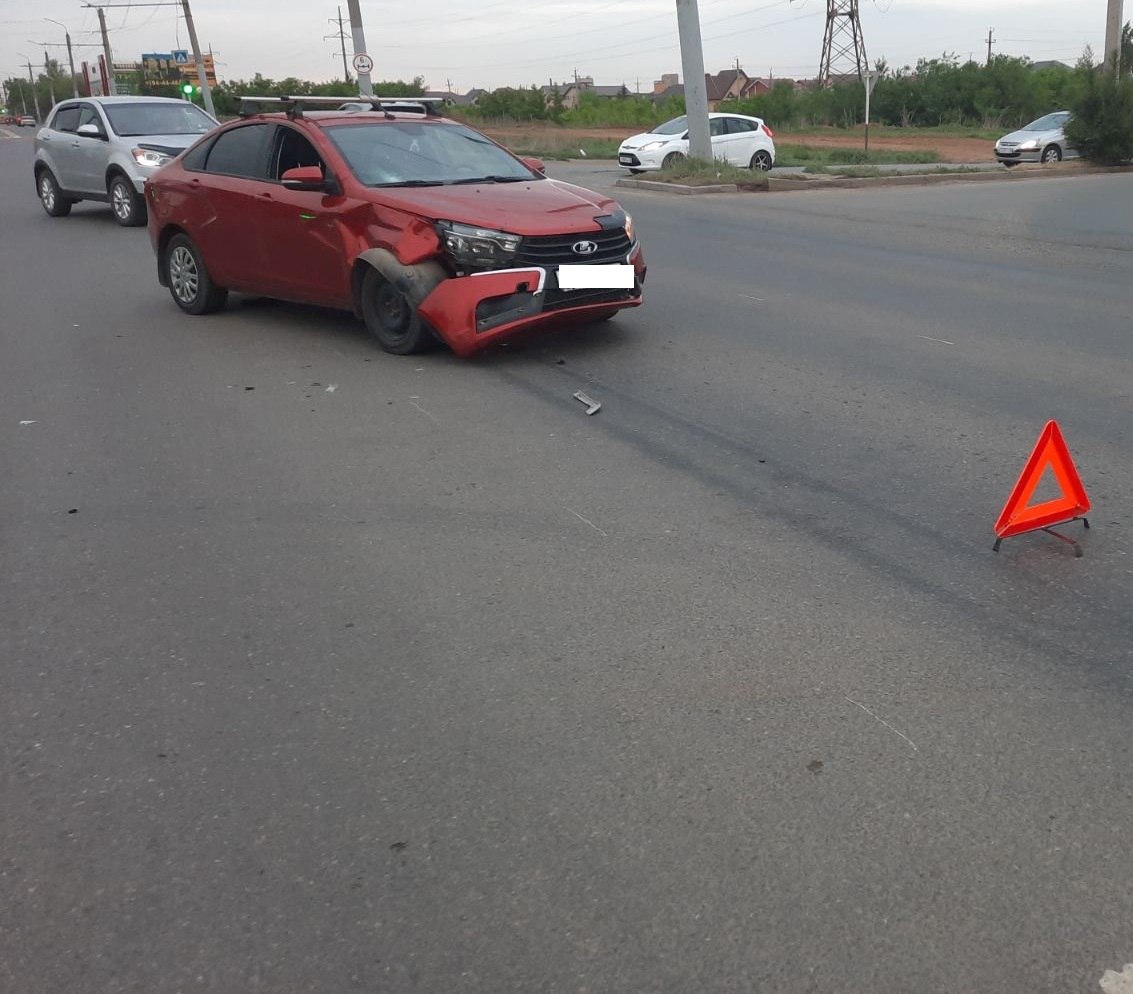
(492, 179)
(413, 182)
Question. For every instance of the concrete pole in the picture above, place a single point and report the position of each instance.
(106, 54)
(1113, 37)
(365, 87)
(342, 42)
(206, 91)
(34, 94)
(70, 55)
(696, 94)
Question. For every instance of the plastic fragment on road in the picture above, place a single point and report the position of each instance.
(592, 406)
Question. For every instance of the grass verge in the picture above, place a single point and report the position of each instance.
(695, 172)
(805, 155)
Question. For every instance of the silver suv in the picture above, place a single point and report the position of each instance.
(104, 148)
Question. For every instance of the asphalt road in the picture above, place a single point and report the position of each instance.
(325, 671)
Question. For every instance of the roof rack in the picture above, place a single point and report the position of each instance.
(293, 106)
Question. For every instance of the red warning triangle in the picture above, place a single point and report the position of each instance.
(1050, 450)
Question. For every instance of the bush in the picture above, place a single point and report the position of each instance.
(1102, 126)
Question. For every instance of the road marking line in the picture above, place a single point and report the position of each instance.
(939, 341)
(887, 725)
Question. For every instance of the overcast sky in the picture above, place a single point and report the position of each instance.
(517, 42)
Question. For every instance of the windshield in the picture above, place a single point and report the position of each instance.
(677, 126)
(416, 153)
(181, 118)
(1051, 122)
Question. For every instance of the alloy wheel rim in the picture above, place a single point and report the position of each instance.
(47, 193)
(121, 201)
(183, 275)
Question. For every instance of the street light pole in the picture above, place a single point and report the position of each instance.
(206, 91)
(70, 57)
(696, 93)
(365, 87)
(1113, 37)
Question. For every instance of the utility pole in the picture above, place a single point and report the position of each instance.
(696, 93)
(1113, 37)
(341, 35)
(990, 40)
(70, 56)
(206, 90)
(365, 87)
(34, 92)
(106, 52)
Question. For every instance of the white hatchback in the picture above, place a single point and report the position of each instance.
(736, 139)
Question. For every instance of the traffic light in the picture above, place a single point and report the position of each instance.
(187, 89)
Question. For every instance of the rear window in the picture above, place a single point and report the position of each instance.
(174, 118)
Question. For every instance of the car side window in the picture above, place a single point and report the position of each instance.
(291, 150)
(194, 159)
(66, 118)
(88, 115)
(241, 152)
(716, 126)
(738, 126)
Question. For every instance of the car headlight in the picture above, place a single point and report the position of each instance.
(1033, 143)
(650, 146)
(629, 227)
(471, 246)
(151, 158)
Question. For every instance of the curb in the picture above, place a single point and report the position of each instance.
(679, 188)
(785, 185)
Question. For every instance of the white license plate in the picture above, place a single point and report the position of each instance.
(582, 277)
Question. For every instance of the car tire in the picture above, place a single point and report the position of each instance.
(762, 161)
(1052, 153)
(672, 159)
(391, 319)
(190, 285)
(1010, 165)
(52, 199)
(636, 172)
(129, 208)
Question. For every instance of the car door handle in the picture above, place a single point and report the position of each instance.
(266, 195)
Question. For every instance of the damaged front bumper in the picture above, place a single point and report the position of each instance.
(471, 312)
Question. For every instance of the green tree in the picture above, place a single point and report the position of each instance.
(1102, 126)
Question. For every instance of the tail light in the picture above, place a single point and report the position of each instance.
(770, 133)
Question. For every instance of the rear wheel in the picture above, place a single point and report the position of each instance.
(54, 203)
(1052, 153)
(189, 282)
(391, 319)
(129, 208)
(762, 160)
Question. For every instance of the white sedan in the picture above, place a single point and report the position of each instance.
(736, 138)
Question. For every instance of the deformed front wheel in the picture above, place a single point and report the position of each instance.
(392, 319)
(189, 282)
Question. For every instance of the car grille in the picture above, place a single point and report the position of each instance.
(551, 250)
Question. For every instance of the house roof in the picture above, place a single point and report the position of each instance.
(719, 84)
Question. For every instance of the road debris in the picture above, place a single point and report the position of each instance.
(29, 422)
(592, 406)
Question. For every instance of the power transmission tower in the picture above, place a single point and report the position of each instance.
(843, 47)
(340, 34)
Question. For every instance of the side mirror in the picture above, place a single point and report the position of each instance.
(535, 164)
(304, 178)
(90, 131)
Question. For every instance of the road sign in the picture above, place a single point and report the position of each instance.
(363, 64)
(181, 56)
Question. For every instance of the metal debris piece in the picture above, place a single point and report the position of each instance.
(592, 406)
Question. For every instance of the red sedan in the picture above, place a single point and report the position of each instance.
(421, 226)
